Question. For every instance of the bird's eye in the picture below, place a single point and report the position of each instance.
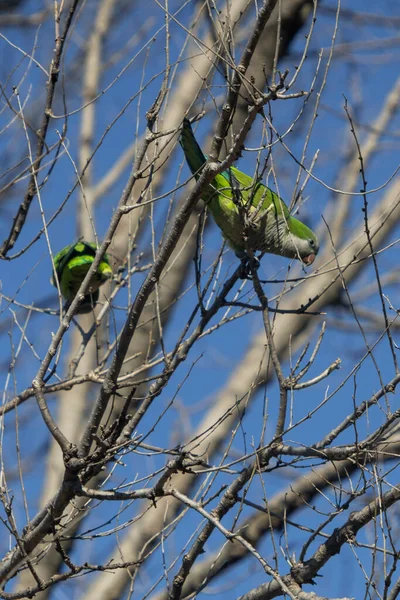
(312, 243)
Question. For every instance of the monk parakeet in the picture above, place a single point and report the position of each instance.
(71, 265)
(270, 228)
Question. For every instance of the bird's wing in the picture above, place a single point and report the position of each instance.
(83, 247)
(80, 262)
(104, 267)
(257, 192)
(245, 181)
(60, 260)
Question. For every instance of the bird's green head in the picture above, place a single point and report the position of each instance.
(302, 243)
(104, 270)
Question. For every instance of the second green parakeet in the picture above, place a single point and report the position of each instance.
(71, 265)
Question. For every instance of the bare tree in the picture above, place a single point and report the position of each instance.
(199, 432)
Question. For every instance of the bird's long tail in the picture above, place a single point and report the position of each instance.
(193, 153)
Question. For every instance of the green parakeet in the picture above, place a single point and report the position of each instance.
(234, 198)
(71, 265)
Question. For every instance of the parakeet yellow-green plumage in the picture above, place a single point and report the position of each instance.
(71, 265)
(271, 227)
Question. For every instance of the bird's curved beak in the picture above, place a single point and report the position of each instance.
(308, 260)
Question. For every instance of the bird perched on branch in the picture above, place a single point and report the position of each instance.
(250, 215)
(71, 265)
